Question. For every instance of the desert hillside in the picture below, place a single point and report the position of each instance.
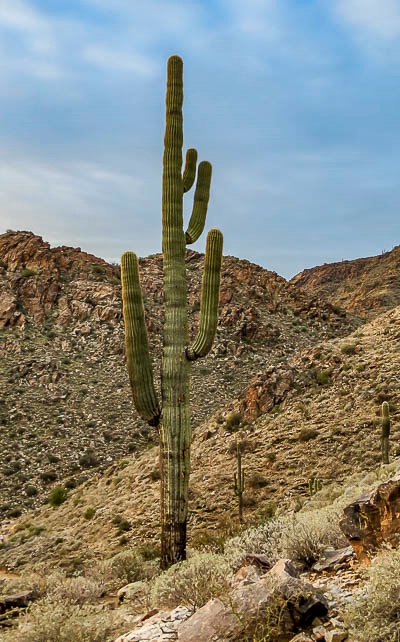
(315, 415)
(65, 403)
(365, 287)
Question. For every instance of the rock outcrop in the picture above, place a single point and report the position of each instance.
(373, 519)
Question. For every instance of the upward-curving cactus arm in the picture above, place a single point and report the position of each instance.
(200, 203)
(209, 297)
(189, 173)
(136, 342)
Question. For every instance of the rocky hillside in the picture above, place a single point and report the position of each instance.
(312, 417)
(365, 287)
(65, 403)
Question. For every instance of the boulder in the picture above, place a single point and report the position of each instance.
(213, 621)
(373, 519)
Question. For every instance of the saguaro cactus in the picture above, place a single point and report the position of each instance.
(171, 415)
(385, 432)
(238, 479)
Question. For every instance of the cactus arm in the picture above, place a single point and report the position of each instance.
(189, 173)
(209, 297)
(200, 203)
(136, 342)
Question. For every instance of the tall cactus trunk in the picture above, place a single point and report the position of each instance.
(172, 416)
(175, 433)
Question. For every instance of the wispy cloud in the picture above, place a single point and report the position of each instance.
(376, 18)
(114, 60)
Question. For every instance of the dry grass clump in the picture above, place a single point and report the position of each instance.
(308, 533)
(63, 621)
(193, 582)
(374, 616)
(300, 537)
(265, 539)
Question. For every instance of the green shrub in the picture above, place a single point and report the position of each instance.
(122, 523)
(374, 615)
(59, 621)
(193, 582)
(233, 421)
(89, 513)
(348, 348)
(127, 566)
(57, 496)
(25, 272)
(88, 459)
(323, 377)
(306, 434)
(31, 490)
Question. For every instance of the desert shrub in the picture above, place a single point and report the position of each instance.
(31, 490)
(88, 459)
(307, 534)
(374, 615)
(122, 523)
(25, 272)
(265, 539)
(323, 377)
(57, 496)
(192, 582)
(257, 480)
(301, 537)
(233, 421)
(306, 434)
(57, 621)
(127, 566)
(48, 476)
(348, 348)
(76, 590)
(89, 513)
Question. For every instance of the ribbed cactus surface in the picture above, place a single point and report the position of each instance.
(172, 415)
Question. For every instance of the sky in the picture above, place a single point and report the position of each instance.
(294, 102)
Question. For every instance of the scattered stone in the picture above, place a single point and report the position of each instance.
(336, 635)
(160, 627)
(332, 557)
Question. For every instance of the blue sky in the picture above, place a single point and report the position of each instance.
(295, 102)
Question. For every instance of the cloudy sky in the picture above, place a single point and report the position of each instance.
(295, 102)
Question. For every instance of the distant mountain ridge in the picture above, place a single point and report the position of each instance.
(365, 287)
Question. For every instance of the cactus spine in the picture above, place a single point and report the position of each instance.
(238, 479)
(172, 415)
(385, 432)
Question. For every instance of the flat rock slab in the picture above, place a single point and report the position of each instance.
(16, 600)
(332, 556)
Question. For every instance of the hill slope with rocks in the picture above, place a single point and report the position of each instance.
(365, 287)
(315, 416)
(65, 401)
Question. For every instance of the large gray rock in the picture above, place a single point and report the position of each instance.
(213, 622)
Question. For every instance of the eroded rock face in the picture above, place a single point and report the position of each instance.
(373, 519)
(266, 391)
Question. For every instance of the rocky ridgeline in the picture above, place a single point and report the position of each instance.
(65, 402)
(366, 287)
